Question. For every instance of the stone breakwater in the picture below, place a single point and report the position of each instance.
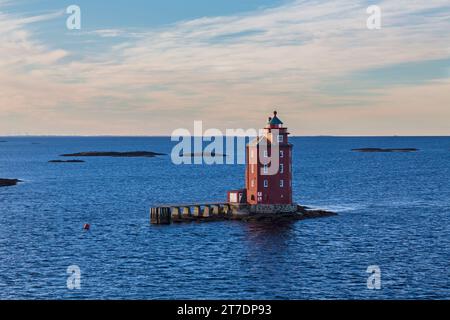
(168, 214)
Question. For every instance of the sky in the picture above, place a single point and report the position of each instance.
(151, 67)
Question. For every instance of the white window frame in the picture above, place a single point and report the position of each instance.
(281, 168)
(281, 183)
(265, 154)
(280, 138)
(266, 183)
(265, 169)
(281, 154)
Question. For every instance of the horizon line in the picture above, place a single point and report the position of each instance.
(168, 136)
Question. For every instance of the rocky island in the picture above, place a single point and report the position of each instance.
(66, 161)
(8, 182)
(385, 150)
(203, 154)
(130, 154)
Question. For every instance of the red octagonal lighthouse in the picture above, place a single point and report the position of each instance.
(268, 182)
(268, 187)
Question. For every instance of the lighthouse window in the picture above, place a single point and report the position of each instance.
(252, 168)
(266, 183)
(281, 168)
(265, 169)
(281, 154)
(253, 183)
(281, 183)
(280, 138)
(265, 154)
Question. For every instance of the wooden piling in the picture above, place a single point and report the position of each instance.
(226, 210)
(176, 214)
(160, 215)
(215, 210)
(197, 211)
(186, 212)
(153, 216)
(206, 211)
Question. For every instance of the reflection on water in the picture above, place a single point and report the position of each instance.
(267, 234)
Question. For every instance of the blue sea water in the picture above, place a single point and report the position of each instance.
(393, 212)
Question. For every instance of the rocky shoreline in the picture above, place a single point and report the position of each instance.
(302, 214)
(9, 182)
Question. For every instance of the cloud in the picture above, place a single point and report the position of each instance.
(40, 18)
(229, 71)
(420, 109)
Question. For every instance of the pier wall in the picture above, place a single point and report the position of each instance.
(168, 214)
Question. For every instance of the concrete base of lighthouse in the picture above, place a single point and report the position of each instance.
(273, 208)
(231, 211)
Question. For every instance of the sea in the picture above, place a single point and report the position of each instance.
(390, 239)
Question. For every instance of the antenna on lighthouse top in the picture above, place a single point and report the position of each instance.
(275, 113)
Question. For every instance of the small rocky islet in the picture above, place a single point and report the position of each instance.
(128, 154)
(203, 154)
(385, 150)
(8, 182)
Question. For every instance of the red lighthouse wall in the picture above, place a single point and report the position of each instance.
(270, 189)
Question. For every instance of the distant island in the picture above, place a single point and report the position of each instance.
(385, 150)
(8, 182)
(131, 154)
(66, 161)
(204, 154)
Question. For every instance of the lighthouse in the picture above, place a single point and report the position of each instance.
(268, 172)
(268, 187)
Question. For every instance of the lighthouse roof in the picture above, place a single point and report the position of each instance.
(275, 120)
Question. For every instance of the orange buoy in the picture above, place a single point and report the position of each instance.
(86, 226)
